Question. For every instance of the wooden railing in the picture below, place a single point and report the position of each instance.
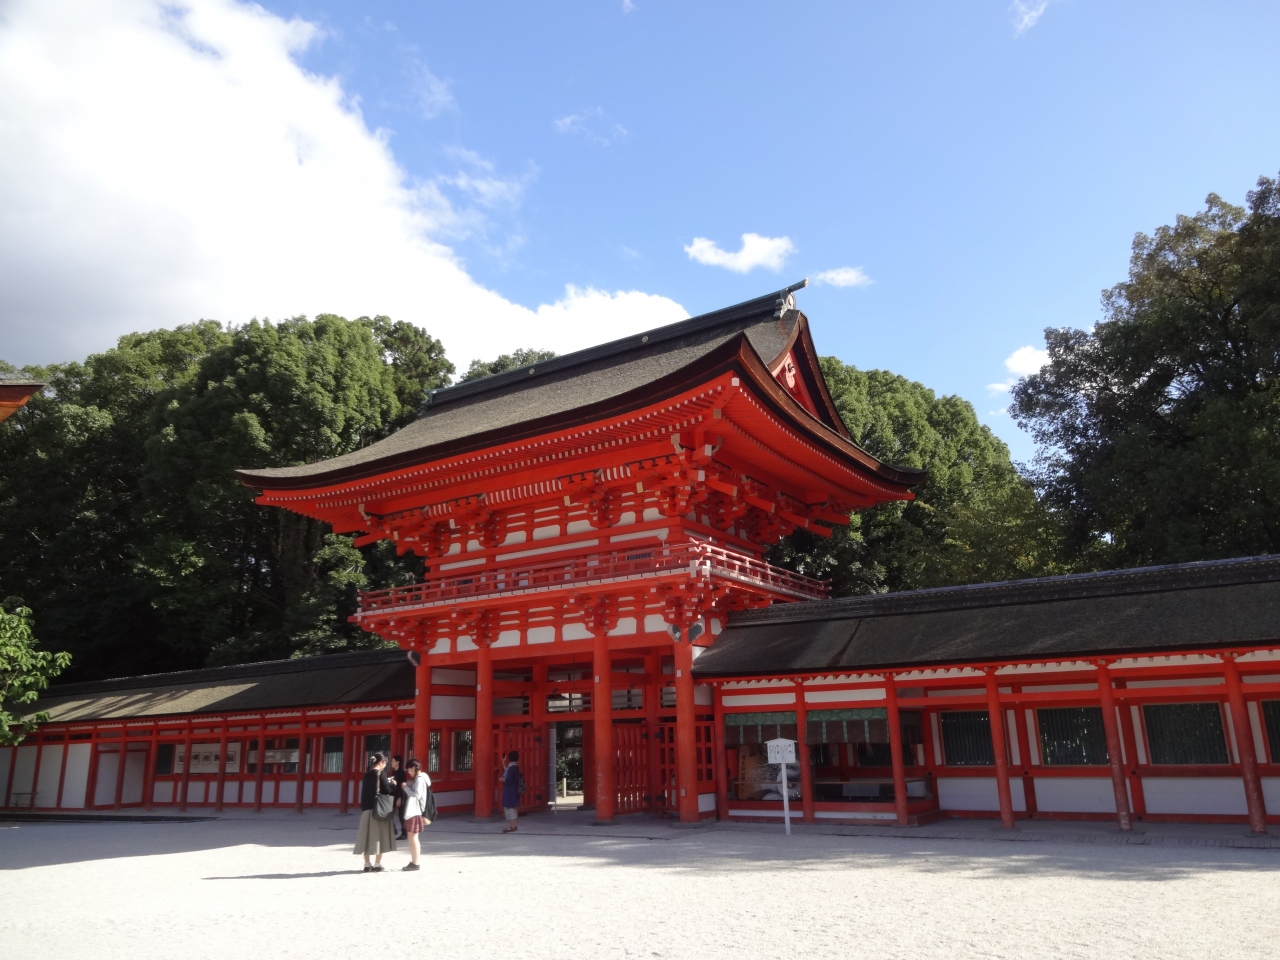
(695, 559)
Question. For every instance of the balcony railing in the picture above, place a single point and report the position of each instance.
(640, 563)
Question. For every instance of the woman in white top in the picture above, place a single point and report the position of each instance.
(415, 805)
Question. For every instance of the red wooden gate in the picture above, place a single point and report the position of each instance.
(667, 796)
(631, 767)
(531, 743)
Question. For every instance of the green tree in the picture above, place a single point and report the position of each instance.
(504, 362)
(24, 672)
(123, 518)
(1157, 428)
(974, 519)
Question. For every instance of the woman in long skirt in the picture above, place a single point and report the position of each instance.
(375, 837)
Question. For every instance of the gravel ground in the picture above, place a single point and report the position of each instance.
(283, 886)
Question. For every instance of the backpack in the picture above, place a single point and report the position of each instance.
(429, 805)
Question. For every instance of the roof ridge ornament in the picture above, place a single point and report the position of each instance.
(787, 298)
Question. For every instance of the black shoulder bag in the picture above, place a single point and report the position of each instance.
(383, 804)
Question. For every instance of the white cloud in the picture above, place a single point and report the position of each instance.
(1026, 13)
(844, 277)
(757, 251)
(593, 125)
(627, 6)
(162, 162)
(1023, 362)
(432, 94)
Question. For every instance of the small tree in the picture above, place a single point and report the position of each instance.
(24, 672)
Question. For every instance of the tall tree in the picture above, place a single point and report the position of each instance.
(506, 361)
(24, 672)
(974, 519)
(123, 520)
(1157, 427)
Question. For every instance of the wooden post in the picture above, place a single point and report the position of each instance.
(118, 797)
(482, 739)
(303, 754)
(91, 788)
(686, 735)
(807, 797)
(1244, 745)
(422, 709)
(185, 783)
(1106, 696)
(262, 764)
(348, 758)
(996, 718)
(222, 766)
(35, 770)
(721, 757)
(149, 771)
(602, 725)
(652, 713)
(895, 749)
(62, 770)
(1138, 800)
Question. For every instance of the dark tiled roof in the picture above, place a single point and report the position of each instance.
(577, 385)
(1218, 603)
(368, 676)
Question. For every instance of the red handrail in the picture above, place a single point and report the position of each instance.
(699, 559)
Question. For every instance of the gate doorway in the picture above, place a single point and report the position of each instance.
(530, 742)
(570, 767)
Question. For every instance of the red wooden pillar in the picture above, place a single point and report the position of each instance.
(348, 761)
(721, 759)
(118, 797)
(652, 712)
(422, 709)
(62, 770)
(802, 754)
(602, 724)
(149, 771)
(895, 749)
(262, 764)
(303, 754)
(999, 749)
(686, 735)
(1106, 696)
(1138, 799)
(222, 766)
(482, 739)
(1244, 744)
(185, 783)
(35, 770)
(91, 789)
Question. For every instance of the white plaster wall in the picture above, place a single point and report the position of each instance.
(50, 772)
(287, 791)
(977, 793)
(135, 774)
(330, 791)
(453, 708)
(570, 631)
(163, 792)
(841, 696)
(455, 798)
(104, 791)
(1206, 795)
(75, 785)
(759, 699)
(195, 791)
(461, 678)
(706, 802)
(702, 694)
(1271, 794)
(1075, 795)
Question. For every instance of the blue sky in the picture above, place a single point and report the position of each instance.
(977, 171)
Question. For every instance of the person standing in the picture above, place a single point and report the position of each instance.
(375, 836)
(396, 774)
(416, 785)
(512, 788)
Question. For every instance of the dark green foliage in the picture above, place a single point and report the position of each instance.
(126, 526)
(974, 519)
(507, 361)
(1158, 428)
(24, 672)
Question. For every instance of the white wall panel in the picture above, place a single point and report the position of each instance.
(104, 791)
(50, 774)
(1075, 795)
(453, 708)
(1205, 795)
(75, 783)
(977, 793)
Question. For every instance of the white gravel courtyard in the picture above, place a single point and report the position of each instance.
(283, 885)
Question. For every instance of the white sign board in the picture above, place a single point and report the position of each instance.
(783, 752)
